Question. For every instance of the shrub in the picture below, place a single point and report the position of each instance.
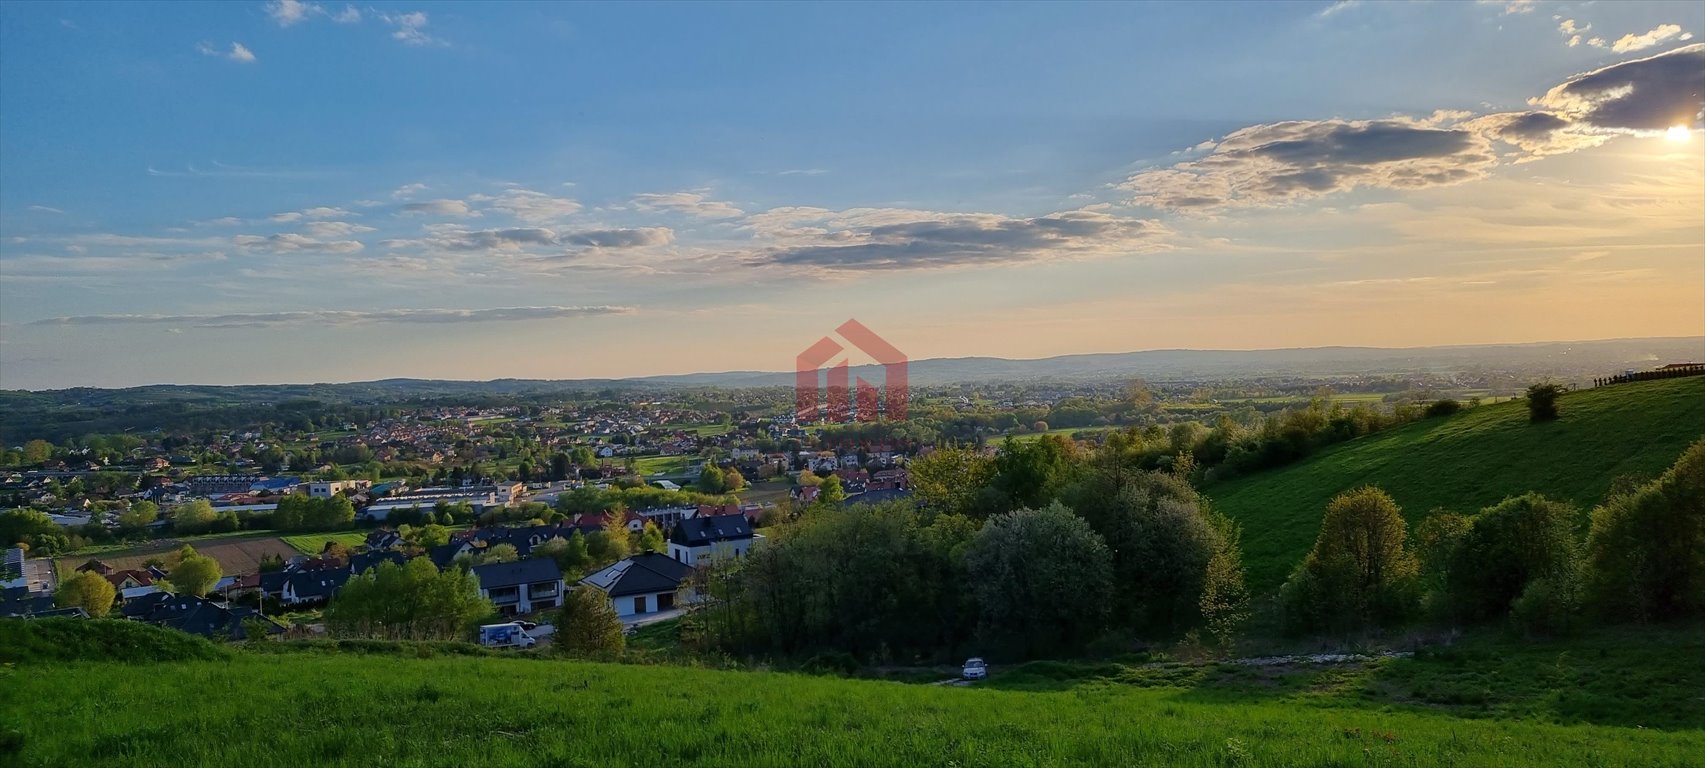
(1508, 546)
(28, 641)
(1549, 605)
(1443, 407)
(1646, 551)
(1359, 573)
(1542, 401)
(588, 626)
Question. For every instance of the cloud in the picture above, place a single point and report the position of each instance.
(529, 206)
(332, 230)
(455, 208)
(1280, 163)
(410, 28)
(238, 52)
(287, 13)
(1336, 8)
(408, 190)
(349, 15)
(1662, 32)
(523, 238)
(802, 172)
(289, 242)
(341, 317)
(44, 209)
(929, 240)
(1512, 7)
(1649, 94)
(321, 212)
(690, 203)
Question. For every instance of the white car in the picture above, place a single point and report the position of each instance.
(975, 669)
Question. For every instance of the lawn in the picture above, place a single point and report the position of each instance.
(315, 543)
(649, 465)
(235, 553)
(432, 708)
(1469, 461)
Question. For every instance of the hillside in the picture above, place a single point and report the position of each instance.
(401, 705)
(1467, 462)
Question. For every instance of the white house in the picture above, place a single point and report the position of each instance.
(699, 539)
(642, 584)
(521, 587)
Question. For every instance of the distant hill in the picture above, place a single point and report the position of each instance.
(1467, 462)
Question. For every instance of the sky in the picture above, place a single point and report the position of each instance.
(316, 192)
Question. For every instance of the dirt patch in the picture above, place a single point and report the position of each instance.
(234, 555)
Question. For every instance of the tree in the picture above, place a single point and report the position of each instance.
(949, 479)
(37, 451)
(711, 480)
(1041, 580)
(829, 491)
(413, 601)
(1359, 573)
(26, 526)
(433, 535)
(570, 554)
(1029, 474)
(194, 574)
(1505, 549)
(194, 517)
(87, 590)
(502, 553)
(1542, 401)
(1646, 549)
(588, 627)
(139, 515)
(651, 539)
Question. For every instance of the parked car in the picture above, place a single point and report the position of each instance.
(975, 669)
(510, 635)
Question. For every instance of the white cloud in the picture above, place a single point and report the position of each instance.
(456, 208)
(331, 230)
(1336, 8)
(237, 52)
(410, 28)
(1641, 42)
(349, 15)
(1512, 7)
(531, 207)
(44, 209)
(291, 12)
(690, 203)
(408, 190)
(289, 242)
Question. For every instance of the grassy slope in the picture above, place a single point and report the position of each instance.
(340, 709)
(315, 543)
(1469, 461)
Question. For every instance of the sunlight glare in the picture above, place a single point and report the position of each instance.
(1678, 133)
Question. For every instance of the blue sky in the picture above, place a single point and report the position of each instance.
(247, 192)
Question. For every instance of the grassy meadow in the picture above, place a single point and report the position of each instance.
(439, 706)
(315, 543)
(1467, 462)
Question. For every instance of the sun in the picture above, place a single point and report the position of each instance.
(1678, 133)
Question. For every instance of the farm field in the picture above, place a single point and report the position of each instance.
(648, 465)
(315, 543)
(236, 554)
(497, 710)
(1467, 462)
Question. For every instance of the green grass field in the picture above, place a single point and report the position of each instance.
(649, 465)
(315, 543)
(1467, 462)
(432, 708)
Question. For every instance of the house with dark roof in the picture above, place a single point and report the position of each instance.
(198, 616)
(361, 563)
(19, 601)
(316, 586)
(642, 584)
(523, 586)
(696, 540)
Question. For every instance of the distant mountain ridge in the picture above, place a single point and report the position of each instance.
(1565, 359)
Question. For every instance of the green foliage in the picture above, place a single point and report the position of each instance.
(87, 590)
(501, 553)
(571, 555)
(196, 516)
(1504, 550)
(588, 627)
(138, 515)
(651, 539)
(1445, 407)
(1360, 573)
(949, 478)
(28, 526)
(194, 574)
(297, 512)
(1468, 461)
(1646, 550)
(859, 580)
(1030, 474)
(413, 601)
(51, 642)
(1042, 579)
(1542, 401)
(1162, 541)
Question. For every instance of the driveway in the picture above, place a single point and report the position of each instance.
(635, 622)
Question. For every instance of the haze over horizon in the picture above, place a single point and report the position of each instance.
(288, 191)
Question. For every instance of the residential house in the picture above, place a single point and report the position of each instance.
(642, 584)
(361, 563)
(523, 586)
(700, 539)
(313, 586)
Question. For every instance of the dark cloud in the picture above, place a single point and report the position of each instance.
(947, 240)
(619, 238)
(340, 317)
(528, 237)
(1649, 94)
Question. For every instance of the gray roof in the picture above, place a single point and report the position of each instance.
(703, 531)
(496, 575)
(640, 574)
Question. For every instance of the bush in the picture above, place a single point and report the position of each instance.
(1443, 407)
(1646, 551)
(1542, 401)
(1550, 605)
(1506, 548)
(1359, 573)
